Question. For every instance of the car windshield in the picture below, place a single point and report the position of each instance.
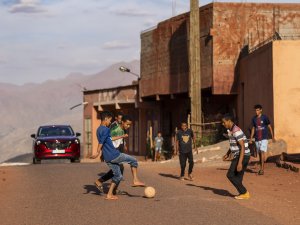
(55, 131)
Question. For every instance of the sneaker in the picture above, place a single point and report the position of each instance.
(99, 185)
(260, 172)
(243, 196)
(181, 178)
(119, 192)
(191, 178)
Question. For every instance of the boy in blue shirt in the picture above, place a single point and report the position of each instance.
(114, 157)
(260, 126)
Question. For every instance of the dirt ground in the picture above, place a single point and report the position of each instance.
(275, 194)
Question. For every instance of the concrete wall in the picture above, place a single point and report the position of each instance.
(270, 76)
(286, 81)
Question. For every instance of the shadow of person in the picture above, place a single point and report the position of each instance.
(91, 189)
(169, 176)
(248, 170)
(216, 191)
(101, 174)
(129, 195)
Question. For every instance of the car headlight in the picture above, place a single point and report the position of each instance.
(76, 141)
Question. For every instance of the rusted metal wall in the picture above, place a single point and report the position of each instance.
(255, 85)
(227, 31)
(238, 25)
(164, 55)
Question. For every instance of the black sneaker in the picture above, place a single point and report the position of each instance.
(119, 192)
(99, 185)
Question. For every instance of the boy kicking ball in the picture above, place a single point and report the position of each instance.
(113, 157)
(241, 154)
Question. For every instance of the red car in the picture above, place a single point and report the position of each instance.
(56, 142)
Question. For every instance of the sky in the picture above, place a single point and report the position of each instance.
(49, 39)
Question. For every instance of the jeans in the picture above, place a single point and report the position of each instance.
(110, 173)
(236, 178)
(114, 165)
(182, 159)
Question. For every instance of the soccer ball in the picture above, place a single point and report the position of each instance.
(149, 192)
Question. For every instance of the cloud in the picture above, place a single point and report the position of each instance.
(27, 6)
(116, 45)
(131, 12)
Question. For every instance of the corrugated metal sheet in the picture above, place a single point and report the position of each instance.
(226, 29)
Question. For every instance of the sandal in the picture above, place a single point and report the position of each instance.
(138, 184)
(112, 198)
(260, 172)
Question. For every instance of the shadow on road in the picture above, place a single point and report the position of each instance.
(169, 176)
(248, 170)
(91, 189)
(216, 191)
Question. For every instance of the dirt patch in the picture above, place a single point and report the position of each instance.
(275, 194)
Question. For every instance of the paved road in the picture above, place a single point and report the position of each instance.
(56, 193)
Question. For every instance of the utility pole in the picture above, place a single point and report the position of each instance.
(194, 68)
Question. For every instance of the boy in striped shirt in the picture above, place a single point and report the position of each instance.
(238, 147)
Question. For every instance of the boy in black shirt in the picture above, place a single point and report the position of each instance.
(185, 139)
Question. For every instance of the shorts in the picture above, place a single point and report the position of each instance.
(262, 145)
(158, 149)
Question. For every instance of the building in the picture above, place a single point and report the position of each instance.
(270, 76)
(111, 99)
(229, 32)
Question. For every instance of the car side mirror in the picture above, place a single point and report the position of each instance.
(78, 134)
(33, 135)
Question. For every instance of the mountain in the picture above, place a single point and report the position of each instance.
(24, 108)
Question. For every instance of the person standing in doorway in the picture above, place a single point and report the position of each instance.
(158, 143)
(260, 126)
(185, 140)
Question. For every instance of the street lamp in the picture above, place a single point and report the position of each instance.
(83, 103)
(125, 69)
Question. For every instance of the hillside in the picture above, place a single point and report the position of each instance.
(24, 108)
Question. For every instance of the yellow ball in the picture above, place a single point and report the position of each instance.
(149, 192)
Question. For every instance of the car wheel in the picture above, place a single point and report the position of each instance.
(36, 161)
(75, 160)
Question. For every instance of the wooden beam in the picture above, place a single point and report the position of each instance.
(194, 66)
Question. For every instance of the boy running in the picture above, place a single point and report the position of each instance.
(241, 154)
(114, 157)
(118, 134)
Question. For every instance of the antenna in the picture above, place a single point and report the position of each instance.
(173, 8)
